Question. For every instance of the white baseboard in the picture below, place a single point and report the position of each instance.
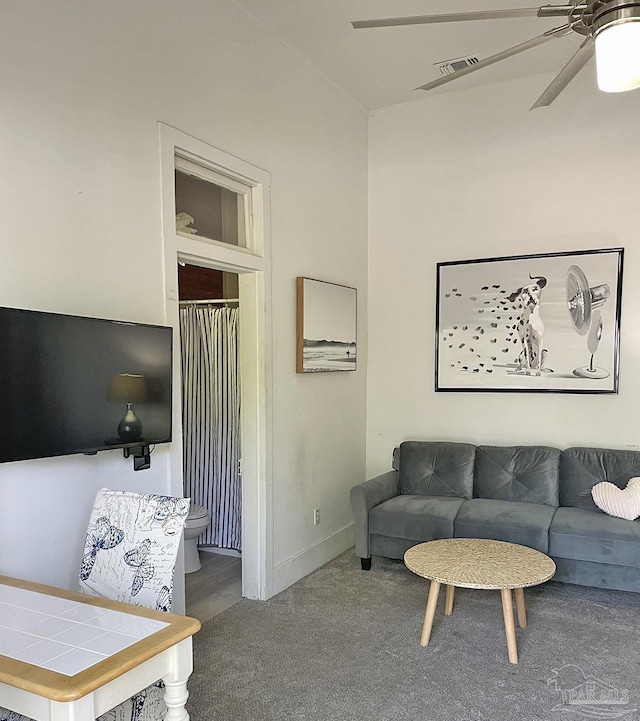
(311, 558)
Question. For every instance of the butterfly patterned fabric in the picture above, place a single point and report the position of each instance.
(11, 716)
(104, 537)
(129, 555)
(143, 570)
(131, 546)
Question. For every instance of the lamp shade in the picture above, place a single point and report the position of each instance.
(618, 56)
(127, 388)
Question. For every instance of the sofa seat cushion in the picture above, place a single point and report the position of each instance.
(524, 523)
(420, 518)
(436, 468)
(583, 535)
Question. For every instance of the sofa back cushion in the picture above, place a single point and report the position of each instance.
(582, 468)
(436, 468)
(518, 473)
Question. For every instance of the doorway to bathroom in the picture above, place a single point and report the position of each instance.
(237, 241)
(211, 444)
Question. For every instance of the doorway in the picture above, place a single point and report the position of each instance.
(250, 259)
(211, 445)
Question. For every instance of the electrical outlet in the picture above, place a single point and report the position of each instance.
(316, 516)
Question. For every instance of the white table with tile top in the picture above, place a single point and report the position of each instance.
(66, 656)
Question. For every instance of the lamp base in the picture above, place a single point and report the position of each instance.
(130, 427)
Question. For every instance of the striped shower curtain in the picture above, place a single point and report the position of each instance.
(211, 419)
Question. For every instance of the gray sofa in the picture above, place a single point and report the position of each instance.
(533, 495)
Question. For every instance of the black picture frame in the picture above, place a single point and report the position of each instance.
(539, 323)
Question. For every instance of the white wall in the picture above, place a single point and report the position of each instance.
(476, 175)
(82, 87)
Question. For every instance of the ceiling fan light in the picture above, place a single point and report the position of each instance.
(618, 56)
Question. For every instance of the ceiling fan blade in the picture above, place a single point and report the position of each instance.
(567, 74)
(502, 55)
(545, 11)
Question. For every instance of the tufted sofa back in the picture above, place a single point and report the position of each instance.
(518, 473)
(582, 468)
(436, 468)
(533, 474)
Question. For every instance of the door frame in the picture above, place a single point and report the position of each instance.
(252, 264)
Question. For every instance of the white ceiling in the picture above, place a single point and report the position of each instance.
(382, 66)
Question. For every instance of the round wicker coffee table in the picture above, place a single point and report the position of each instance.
(479, 563)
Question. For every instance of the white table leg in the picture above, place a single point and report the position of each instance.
(175, 682)
(175, 696)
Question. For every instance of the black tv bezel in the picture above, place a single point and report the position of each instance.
(137, 449)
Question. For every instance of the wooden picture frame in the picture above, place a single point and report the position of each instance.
(326, 337)
(530, 323)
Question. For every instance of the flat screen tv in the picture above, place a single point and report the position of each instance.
(70, 384)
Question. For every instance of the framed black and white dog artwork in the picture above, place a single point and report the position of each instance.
(530, 323)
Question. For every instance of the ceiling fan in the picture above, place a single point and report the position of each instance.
(611, 30)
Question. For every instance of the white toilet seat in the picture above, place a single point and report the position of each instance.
(197, 512)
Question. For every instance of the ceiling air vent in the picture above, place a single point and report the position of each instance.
(446, 67)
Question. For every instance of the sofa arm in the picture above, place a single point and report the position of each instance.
(364, 497)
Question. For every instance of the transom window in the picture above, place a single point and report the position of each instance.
(210, 205)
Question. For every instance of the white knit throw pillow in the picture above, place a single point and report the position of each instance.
(622, 503)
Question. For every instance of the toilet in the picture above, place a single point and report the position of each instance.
(196, 523)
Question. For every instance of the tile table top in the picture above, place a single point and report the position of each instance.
(64, 635)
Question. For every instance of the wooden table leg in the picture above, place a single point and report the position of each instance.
(509, 625)
(522, 611)
(432, 601)
(448, 600)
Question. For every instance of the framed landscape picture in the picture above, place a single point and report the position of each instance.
(533, 323)
(326, 326)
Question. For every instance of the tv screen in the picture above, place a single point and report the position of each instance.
(71, 384)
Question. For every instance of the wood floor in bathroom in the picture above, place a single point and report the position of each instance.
(215, 587)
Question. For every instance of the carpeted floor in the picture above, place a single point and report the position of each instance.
(344, 644)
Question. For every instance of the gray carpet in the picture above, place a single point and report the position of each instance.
(344, 644)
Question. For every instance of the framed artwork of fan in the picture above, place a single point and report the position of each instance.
(530, 323)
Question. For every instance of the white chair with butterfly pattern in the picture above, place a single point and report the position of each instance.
(129, 555)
